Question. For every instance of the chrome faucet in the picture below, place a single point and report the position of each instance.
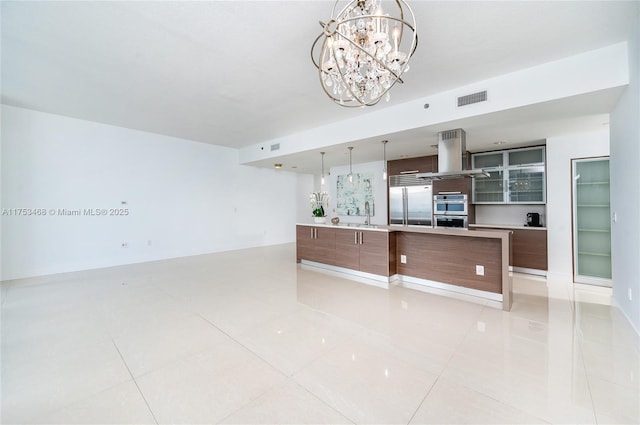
(367, 211)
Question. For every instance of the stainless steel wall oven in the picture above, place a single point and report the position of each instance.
(451, 210)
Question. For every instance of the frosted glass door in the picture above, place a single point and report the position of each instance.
(489, 190)
(526, 185)
(592, 221)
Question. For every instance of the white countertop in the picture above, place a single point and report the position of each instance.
(507, 226)
(498, 234)
(358, 226)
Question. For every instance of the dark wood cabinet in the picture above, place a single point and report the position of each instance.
(365, 251)
(377, 250)
(347, 249)
(530, 249)
(315, 243)
(420, 164)
(462, 185)
(362, 250)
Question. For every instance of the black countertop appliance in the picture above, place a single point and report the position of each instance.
(533, 220)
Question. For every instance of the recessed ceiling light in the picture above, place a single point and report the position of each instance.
(294, 166)
(500, 142)
(277, 165)
(434, 146)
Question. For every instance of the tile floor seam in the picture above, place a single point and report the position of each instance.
(423, 399)
(288, 379)
(243, 346)
(312, 360)
(68, 405)
(135, 382)
(586, 377)
(322, 401)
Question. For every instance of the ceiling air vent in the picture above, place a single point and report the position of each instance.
(481, 96)
(275, 147)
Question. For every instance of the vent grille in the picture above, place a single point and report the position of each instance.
(275, 147)
(406, 180)
(469, 99)
(449, 134)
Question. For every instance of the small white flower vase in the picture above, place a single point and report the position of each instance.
(319, 220)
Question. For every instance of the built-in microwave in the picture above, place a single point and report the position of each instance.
(450, 204)
(459, 221)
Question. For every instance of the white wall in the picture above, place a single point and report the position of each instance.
(515, 215)
(625, 198)
(184, 197)
(560, 151)
(305, 186)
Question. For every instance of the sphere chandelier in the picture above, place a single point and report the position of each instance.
(363, 51)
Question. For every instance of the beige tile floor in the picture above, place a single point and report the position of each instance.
(251, 337)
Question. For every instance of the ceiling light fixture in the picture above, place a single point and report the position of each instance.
(322, 175)
(384, 159)
(277, 165)
(364, 51)
(350, 165)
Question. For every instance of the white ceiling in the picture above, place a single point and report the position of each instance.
(235, 73)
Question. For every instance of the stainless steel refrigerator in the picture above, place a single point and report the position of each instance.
(410, 201)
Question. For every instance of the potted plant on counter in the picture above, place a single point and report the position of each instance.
(319, 200)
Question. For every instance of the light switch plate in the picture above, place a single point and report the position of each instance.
(479, 270)
(403, 259)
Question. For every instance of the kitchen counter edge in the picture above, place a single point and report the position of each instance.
(506, 226)
(497, 234)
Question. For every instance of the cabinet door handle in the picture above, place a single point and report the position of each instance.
(355, 238)
(410, 172)
(312, 229)
(361, 233)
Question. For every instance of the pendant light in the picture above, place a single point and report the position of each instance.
(322, 175)
(350, 165)
(384, 160)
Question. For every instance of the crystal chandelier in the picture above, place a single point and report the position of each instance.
(363, 51)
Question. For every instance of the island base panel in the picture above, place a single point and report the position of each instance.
(451, 259)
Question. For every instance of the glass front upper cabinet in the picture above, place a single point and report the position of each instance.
(516, 177)
(489, 190)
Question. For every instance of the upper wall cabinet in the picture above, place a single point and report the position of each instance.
(422, 164)
(516, 176)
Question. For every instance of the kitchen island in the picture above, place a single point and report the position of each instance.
(448, 260)
(528, 246)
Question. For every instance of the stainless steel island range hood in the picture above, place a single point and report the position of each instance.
(452, 148)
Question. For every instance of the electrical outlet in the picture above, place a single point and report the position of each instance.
(403, 259)
(479, 270)
(630, 294)
(125, 244)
